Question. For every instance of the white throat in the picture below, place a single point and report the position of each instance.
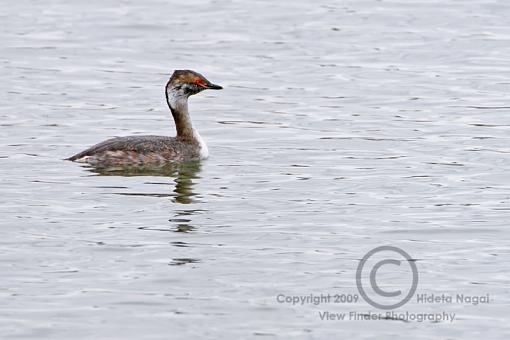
(204, 151)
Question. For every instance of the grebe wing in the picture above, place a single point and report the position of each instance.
(138, 144)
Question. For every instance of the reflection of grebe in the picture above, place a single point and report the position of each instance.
(185, 176)
(139, 150)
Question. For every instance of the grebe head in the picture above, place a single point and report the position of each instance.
(187, 83)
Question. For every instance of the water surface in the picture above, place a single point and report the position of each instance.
(342, 126)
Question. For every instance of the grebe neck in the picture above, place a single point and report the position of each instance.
(178, 103)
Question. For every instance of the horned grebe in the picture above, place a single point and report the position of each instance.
(141, 150)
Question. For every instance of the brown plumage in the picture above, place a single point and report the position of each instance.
(138, 150)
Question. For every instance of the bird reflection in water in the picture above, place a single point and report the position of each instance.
(184, 175)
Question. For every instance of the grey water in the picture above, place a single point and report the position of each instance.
(342, 126)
